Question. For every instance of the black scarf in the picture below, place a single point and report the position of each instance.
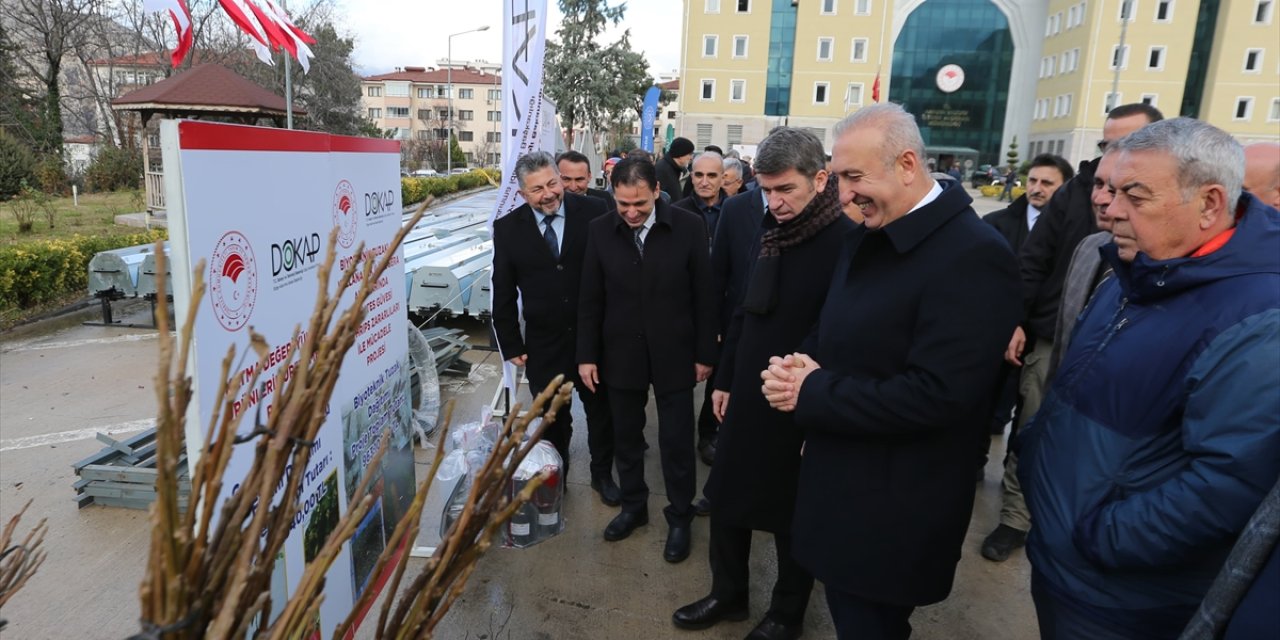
(762, 288)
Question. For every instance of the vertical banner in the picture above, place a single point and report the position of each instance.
(647, 115)
(257, 205)
(524, 40)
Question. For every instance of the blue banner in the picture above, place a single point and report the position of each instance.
(647, 115)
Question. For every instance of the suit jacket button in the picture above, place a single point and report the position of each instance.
(559, 267)
(566, 299)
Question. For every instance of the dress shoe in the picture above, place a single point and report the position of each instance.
(677, 548)
(702, 507)
(608, 490)
(707, 450)
(1002, 542)
(770, 629)
(623, 524)
(708, 611)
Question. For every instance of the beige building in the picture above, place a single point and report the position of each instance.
(413, 104)
(977, 73)
(1222, 66)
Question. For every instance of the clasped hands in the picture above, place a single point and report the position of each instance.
(783, 378)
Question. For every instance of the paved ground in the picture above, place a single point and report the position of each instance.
(60, 382)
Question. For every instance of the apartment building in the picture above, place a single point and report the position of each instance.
(413, 104)
(1217, 60)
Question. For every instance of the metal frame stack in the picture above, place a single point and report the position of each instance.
(123, 474)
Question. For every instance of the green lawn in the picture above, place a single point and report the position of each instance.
(94, 217)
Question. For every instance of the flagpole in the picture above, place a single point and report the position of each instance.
(288, 80)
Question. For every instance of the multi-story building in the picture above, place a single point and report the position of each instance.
(1213, 59)
(413, 104)
(977, 74)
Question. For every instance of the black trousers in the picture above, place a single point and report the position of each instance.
(857, 617)
(599, 425)
(675, 445)
(730, 548)
(708, 426)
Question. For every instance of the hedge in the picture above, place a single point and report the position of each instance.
(415, 190)
(35, 272)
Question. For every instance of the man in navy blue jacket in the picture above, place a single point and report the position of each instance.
(895, 387)
(1161, 431)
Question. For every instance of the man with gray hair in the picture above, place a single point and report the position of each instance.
(1160, 433)
(894, 387)
(537, 258)
(732, 176)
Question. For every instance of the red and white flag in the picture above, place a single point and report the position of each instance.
(269, 27)
(177, 10)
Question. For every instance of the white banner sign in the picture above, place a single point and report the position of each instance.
(524, 44)
(257, 206)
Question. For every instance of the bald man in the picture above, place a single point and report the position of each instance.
(1262, 172)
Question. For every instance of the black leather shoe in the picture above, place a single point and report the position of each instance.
(770, 629)
(608, 490)
(702, 507)
(677, 548)
(1002, 542)
(623, 524)
(707, 450)
(707, 612)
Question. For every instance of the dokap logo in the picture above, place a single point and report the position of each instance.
(344, 213)
(233, 280)
(294, 254)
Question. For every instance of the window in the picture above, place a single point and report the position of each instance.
(466, 94)
(1071, 16)
(859, 53)
(828, 7)
(1262, 14)
(1155, 58)
(739, 46)
(466, 136)
(1164, 10)
(713, 6)
(1150, 99)
(495, 94)
(825, 45)
(744, 6)
(671, 115)
(1067, 110)
(466, 114)
(1120, 57)
(1127, 7)
(1252, 60)
(442, 91)
(493, 158)
(853, 95)
(1110, 101)
(737, 91)
(426, 92)
(375, 113)
(1053, 63)
(1057, 23)
(1244, 109)
(708, 90)
(375, 92)
(493, 116)
(424, 114)
(493, 136)
(398, 89)
(734, 132)
(704, 135)
(709, 44)
(820, 91)
(424, 135)
(1274, 114)
(1058, 148)
(397, 112)
(1075, 59)
(862, 7)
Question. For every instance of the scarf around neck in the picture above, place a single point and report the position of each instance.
(762, 289)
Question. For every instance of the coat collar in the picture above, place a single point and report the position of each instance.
(910, 230)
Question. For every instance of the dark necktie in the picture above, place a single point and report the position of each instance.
(553, 242)
(639, 241)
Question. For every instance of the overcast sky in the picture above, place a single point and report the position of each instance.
(399, 33)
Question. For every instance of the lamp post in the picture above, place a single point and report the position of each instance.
(448, 143)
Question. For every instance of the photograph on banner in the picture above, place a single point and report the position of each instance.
(258, 208)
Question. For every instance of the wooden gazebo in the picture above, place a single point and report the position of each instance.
(204, 92)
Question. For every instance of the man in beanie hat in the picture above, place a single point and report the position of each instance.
(672, 165)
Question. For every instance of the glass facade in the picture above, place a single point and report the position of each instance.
(973, 34)
(782, 45)
(1198, 65)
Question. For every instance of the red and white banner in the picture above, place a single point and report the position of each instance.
(181, 17)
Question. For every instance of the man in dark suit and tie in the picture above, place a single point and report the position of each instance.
(648, 318)
(575, 174)
(537, 258)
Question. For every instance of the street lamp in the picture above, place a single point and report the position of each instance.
(448, 143)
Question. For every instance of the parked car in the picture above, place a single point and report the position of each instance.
(426, 173)
(984, 175)
(458, 170)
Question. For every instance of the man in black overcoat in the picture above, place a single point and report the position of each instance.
(537, 258)
(647, 318)
(753, 480)
(897, 381)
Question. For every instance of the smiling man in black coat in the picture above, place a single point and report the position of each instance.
(537, 258)
(647, 318)
(895, 386)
